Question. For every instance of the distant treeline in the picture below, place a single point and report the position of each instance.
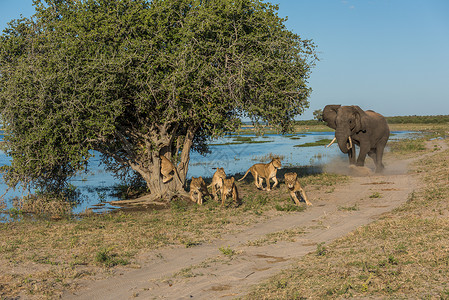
(394, 120)
(310, 122)
(418, 119)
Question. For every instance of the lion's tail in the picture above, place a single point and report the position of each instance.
(245, 174)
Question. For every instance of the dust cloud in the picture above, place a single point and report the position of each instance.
(340, 165)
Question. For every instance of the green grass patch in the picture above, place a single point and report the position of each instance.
(407, 146)
(227, 251)
(322, 142)
(242, 139)
(108, 259)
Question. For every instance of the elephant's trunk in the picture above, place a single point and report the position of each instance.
(344, 141)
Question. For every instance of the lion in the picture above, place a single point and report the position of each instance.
(228, 188)
(267, 171)
(167, 168)
(198, 186)
(292, 182)
(217, 182)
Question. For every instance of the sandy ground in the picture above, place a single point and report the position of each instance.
(204, 272)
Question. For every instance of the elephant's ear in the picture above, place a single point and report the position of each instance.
(330, 115)
(360, 119)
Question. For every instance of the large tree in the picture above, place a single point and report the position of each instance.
(138, 79)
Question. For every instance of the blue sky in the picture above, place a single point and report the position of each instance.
(391, 56)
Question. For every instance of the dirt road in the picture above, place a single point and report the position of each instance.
(205, 272)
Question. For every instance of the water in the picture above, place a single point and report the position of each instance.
(96, 185)
(238, 158)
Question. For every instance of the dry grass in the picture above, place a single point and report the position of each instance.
(274, 237)
(41, 258)
(48, 207)
(403, 255)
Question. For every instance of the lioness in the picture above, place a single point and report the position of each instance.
(217, 182)
(167, 168)
(267, 171)
(198, 186)
(228, 188)
(292, 182)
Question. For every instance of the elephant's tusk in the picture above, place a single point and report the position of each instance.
(350, 143)
(331, 142)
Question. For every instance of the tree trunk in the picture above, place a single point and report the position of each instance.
(145, 159)
(153, 176)
(183, 165)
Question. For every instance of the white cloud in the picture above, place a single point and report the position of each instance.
(348, 4)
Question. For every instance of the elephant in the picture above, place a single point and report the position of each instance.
(367, 129)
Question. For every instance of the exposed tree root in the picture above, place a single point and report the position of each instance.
(156, 199)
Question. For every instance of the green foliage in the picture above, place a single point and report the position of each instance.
(308, 122)
(135, 79)
(318, 115)
(15, 213)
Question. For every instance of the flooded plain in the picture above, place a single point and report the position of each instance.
(234, 153)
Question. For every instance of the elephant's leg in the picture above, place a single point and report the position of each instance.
(351, 155)
(379, 155)
(362, 155)
(373, 155)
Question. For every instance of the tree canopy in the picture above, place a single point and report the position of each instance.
(137, 79)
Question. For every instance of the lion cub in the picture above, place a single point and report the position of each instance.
(167, 168)
(228, 188)
(292, 182)
(217, 182)
(198, 186)
(267, 171)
